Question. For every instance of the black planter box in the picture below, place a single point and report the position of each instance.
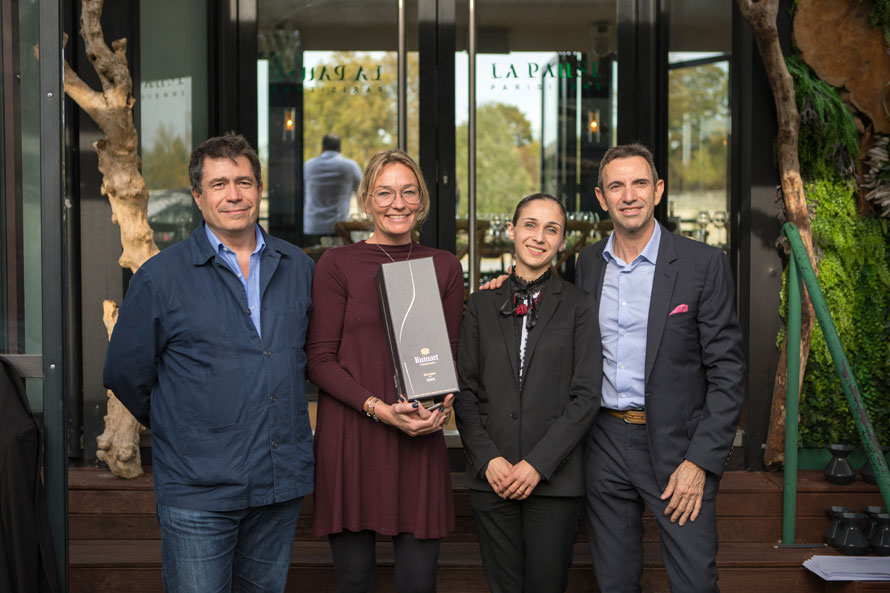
(423, 367)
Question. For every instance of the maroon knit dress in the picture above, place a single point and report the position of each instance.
(370, 475)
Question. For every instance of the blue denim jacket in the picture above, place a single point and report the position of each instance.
(227, 409)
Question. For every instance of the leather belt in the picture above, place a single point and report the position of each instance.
(631, 416)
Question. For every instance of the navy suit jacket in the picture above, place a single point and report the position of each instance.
(694, 380)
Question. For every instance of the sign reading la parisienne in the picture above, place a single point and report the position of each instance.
(338, 73)
(505, 76)
(548, 70)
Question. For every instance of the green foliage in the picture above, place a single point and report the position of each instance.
(363, 113)
(828, 144)
(507, 160)
(855, 278)
(165, 166)
(698, 118)
(854, 270)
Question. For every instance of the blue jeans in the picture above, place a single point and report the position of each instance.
(241, 551)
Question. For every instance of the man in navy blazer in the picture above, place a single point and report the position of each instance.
(673, 382)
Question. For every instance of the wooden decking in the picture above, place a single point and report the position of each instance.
(115, 540)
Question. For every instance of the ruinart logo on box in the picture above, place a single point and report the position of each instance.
(425, 357)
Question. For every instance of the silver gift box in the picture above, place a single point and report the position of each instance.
(423, 368)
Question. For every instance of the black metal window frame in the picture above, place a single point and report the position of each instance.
(52, 277)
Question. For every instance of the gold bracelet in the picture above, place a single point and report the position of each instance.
(372, 401)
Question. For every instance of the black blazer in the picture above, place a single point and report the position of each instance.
(694, 363)
(545, 422)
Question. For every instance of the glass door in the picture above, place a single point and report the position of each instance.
(699, 121)
(328, 70)
(545, 110)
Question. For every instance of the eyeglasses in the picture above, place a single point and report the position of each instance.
(384, 196)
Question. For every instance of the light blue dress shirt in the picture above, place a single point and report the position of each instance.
(624, 320)
(251, 284)
(329, 180)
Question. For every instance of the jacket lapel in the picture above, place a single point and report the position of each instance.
(592, 270)
(660, 300)
(549, 302)
(507, 332)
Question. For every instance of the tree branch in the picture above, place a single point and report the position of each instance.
(761, 16)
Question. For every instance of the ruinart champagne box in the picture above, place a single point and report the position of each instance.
(415, 327)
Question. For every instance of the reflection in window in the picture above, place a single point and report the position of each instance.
(166, 146)
(173, 100)
(698, 141)
(543, 120)
(352, 94)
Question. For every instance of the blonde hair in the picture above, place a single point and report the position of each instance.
(375, 167)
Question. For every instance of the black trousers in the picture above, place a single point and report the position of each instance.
(620, 483)
(355, 562)
(526, 545)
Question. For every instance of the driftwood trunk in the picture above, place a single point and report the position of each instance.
(112, 109)
(119, 444)
(761, 16)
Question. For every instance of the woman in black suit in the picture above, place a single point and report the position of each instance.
(529, 393)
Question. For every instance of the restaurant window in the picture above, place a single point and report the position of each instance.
(328, 69)
(173, 111)
(546, 111)
(699, 120)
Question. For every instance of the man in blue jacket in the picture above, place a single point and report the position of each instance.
(208, 352)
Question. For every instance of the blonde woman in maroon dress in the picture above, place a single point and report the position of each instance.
(381, 464)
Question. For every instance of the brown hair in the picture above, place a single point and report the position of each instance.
(228, 146)
(626, 151)
(527, 199)
(375, 167)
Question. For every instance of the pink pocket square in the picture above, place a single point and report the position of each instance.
(684, 308)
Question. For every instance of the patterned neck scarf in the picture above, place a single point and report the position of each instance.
(522, 302)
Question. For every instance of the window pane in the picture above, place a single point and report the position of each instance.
(327, 68)
(545, 114)
(173, 106)
(699, 120)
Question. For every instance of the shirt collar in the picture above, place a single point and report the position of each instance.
(219, 247)
(649, 253)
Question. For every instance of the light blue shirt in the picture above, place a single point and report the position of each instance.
(624, 320)
(329, 180)
(251, 284)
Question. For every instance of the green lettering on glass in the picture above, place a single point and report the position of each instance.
(378, 73)
(323, 75)
(512, 72)
(532, 69)
(311, 73)
(548, 71)
(566, 70)
(360, 75)
(340, 71)
(494, 71)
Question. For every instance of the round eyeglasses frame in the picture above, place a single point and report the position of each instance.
(384, 196)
